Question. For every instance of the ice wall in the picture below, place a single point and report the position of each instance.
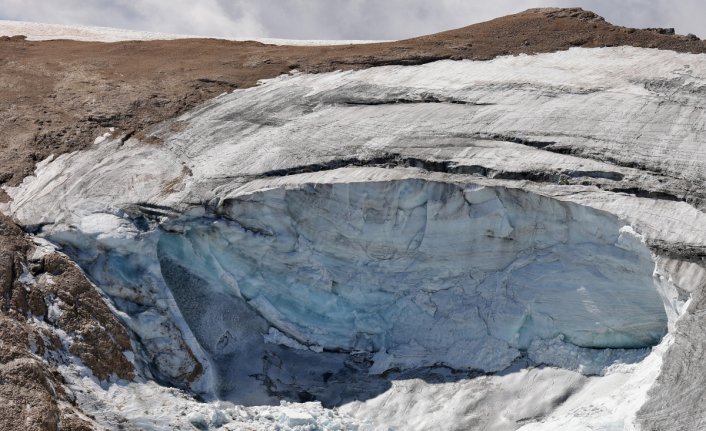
(421, 273)
(404, 274)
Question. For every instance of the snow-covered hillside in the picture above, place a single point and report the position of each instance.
(511, 244)
(42, 31)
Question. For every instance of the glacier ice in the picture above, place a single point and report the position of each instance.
(365, 266)
(43, 31)
(357, 246)
(401, 275)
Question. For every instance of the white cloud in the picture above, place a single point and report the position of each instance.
(333, 19)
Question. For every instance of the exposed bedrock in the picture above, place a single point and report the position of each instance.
(321, 291)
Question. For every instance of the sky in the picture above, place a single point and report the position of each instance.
(334, 19)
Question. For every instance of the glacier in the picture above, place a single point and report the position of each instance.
(418, 273)
(45, 31)
(394, 236)
(370, 278)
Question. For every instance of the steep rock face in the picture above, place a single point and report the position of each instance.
(42, 327)
(368, 225)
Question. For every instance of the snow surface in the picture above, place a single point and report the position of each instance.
(147, 406)
(498, 402)
(43, 31)
(524, 399)
(361, 232)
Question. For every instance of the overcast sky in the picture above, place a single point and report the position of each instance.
(334, 19)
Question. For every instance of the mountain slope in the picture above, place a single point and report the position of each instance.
(413, 242)
(64, 94)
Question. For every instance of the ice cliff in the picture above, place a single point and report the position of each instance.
(453, 228)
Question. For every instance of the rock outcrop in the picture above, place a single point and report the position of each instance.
(50, 311)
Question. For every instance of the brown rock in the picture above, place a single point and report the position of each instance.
(31, 392)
